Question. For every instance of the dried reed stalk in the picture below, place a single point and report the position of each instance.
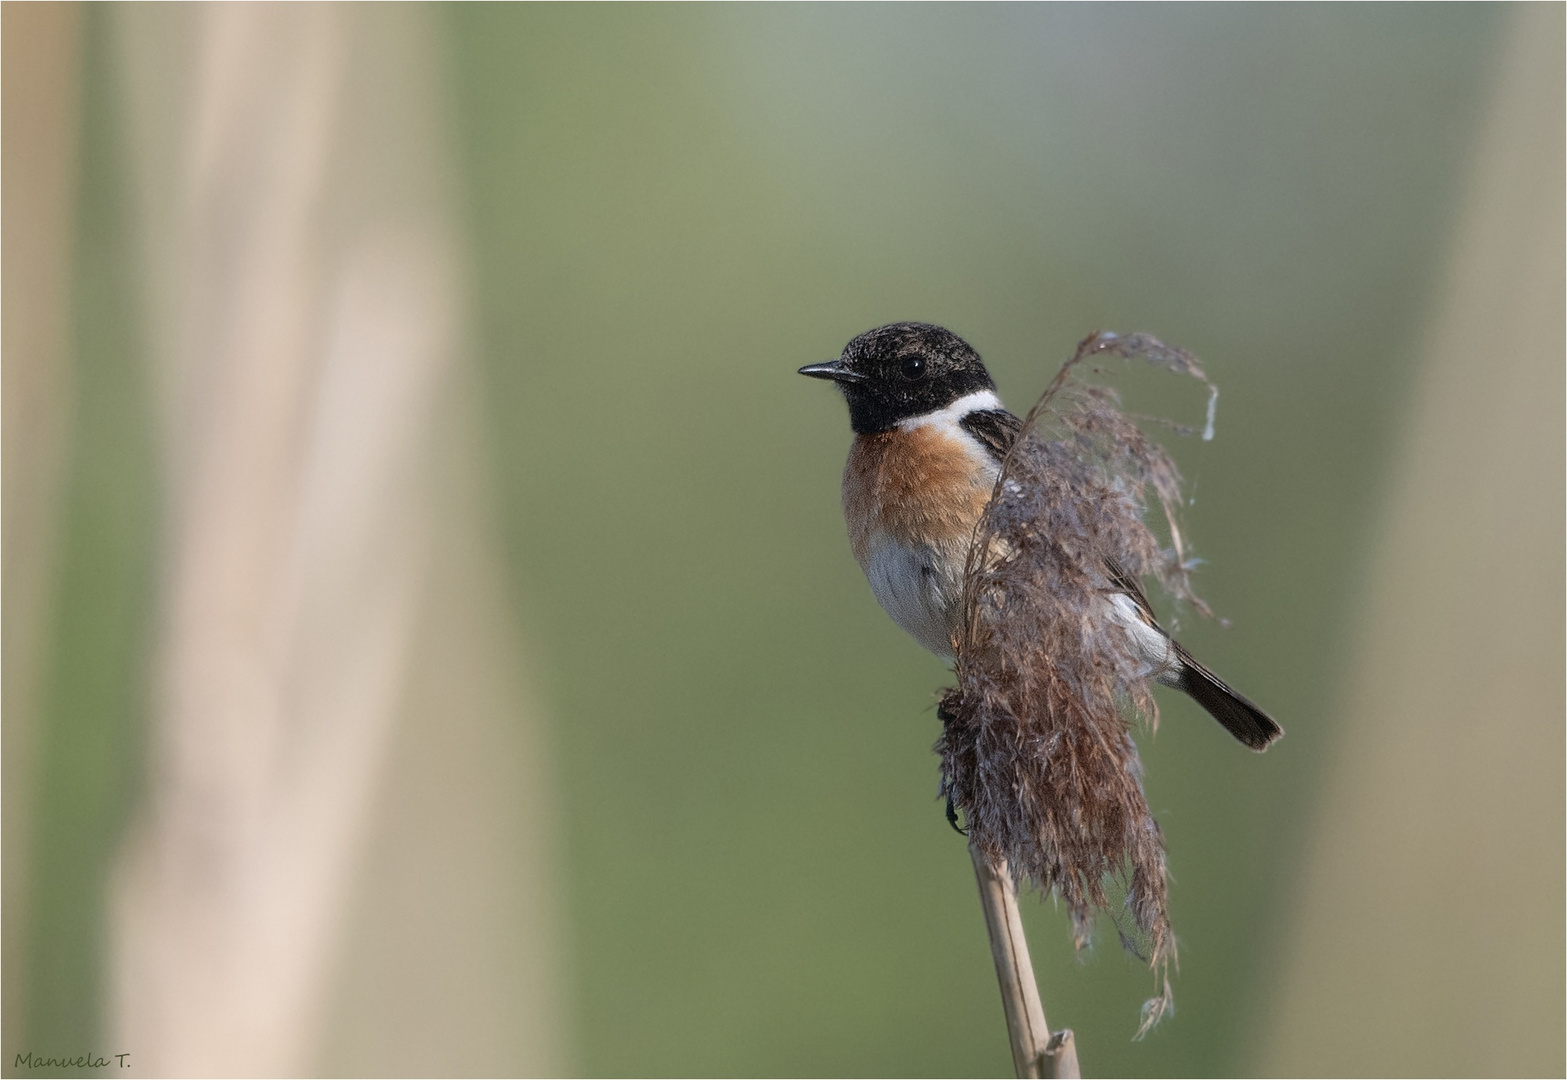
(1035, 1051)
(1036, 746)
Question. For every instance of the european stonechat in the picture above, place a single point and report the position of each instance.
(929, 438)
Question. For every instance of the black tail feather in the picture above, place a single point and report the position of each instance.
(1239, 716)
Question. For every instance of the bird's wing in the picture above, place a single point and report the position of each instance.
(996, 430)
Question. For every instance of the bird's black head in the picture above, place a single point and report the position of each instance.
(902, 370)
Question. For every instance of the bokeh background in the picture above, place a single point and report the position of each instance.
(430, 646)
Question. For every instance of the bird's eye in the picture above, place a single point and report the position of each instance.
(914, 367)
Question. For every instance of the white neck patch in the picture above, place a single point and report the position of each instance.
(978, 401)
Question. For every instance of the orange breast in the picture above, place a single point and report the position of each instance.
(920, 486)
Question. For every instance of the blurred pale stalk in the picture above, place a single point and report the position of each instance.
(40, 99)
(305, 305)
(1428, 909)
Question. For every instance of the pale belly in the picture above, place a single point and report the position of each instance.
(919, 585)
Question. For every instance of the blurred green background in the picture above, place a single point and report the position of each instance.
(663, 211)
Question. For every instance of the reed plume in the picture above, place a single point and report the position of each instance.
(1036, 749)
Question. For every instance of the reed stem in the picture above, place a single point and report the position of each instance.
(1035, 1051)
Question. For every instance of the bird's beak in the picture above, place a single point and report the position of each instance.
(834, 370)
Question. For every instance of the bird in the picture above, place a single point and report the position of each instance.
(930, 436)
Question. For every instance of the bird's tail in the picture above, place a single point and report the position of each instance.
(1239, 716)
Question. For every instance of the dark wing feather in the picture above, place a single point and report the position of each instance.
(996, 429)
